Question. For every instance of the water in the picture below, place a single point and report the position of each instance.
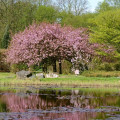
(49, 103)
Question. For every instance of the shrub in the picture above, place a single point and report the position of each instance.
(108, 67)
(117, 66)
(4, 67)
(18, 67)
(105, 67)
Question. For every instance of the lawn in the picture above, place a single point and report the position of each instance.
(63, 80)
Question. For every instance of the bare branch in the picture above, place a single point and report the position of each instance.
(76, 7)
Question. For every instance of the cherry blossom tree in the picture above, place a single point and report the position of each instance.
(50, 42)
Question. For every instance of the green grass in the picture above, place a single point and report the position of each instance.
(101, 73)
(63, 80)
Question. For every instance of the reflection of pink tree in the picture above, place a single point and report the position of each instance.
(73, 116)
(17, 103)
(21, 104)
(66, 116)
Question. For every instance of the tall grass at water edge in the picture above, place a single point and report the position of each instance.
(63, 80)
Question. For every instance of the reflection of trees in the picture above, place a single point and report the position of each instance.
(47, 100)
(3, 107)
(22, 102)
(17, 103)
(83, 100)
(73, 116)
(94, 99)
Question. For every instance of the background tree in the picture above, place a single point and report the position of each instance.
(76, 21)
(76, 7)
(6, 38)
(16, 14)
(107, 29)
(42, 2)
(108, 5)
(103, 6)
(114, 3)
(22, 15)
(46, 14)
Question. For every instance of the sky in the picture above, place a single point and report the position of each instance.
(93, 4)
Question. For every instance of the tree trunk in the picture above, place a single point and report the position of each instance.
(54, 66)
(60, 67)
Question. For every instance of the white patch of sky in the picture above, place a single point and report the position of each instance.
(93, 4)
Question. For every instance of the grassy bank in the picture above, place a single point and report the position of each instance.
(63, 80)
(101, 73)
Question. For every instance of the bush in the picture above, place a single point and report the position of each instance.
(109, 66)
(106, 67)
(18, 67)
(21, 66)
(4, 67)
(117, 66)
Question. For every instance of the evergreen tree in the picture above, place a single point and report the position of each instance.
(6, 38)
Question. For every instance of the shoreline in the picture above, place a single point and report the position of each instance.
(63, 80)
(58, 83)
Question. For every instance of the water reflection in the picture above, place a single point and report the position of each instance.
(53, 104)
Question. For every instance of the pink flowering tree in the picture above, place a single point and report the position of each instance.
(50, 42)
(83, 49)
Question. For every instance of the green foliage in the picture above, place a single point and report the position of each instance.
(18, 67)
(21, 66)
(114, 3)
(66, 67)
(105, 67)
(37, 68)
(109, 66)
(107, 29)
(75, 21)
(6, 38)
(107, 5)
(65, 18)
(104, 24)
(117, 66)
(17, 15)
(22, 15)
(103, 6)
(4, 67)
(46, 14)
(104, 64)
(3, 107)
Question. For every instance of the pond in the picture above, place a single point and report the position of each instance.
(54, 103)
